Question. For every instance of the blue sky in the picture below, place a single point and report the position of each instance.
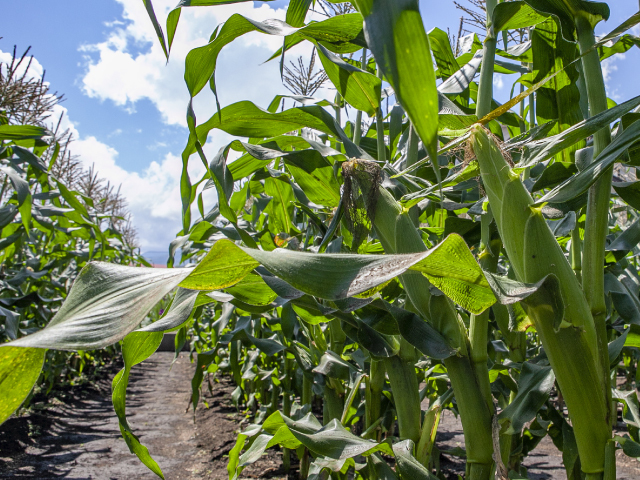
(126, 106)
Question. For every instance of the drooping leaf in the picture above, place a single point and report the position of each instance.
(19, 370)
(407, 465)
(515, 15)
(333, 440)
(244, 119)
(137, 347)
(106, 302)
(534, 386)
(359, 88)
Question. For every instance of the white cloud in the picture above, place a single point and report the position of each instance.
(609, 67)
(129, 65)
(153, 195)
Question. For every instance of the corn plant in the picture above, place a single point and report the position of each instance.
(447, 250)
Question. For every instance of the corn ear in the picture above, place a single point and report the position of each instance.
(534, 253)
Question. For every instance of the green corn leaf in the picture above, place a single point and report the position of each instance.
(626, 241)
(336, 276)
(28, 156)
(629, 447)
(297, 12)
(331, 365)
(222, 178)
(333, 440)
(509, 291)
(314, 175)
(631, 407)
(20, 185)
(244, 119)
(629, 192)
(359, 88)
(156, 26)
(200, 64)
(567, 10)
(417, 332)
(541, 150)
(451, 267)
(534, 386)
(442, 53)
(19, 370)
(396, 36)
(621, 44)
(137, 347)
(174, 17)
(233, 466)
(340, 34)
(280, 208)
(581, 182)
(554, 174)
(376, 343)
(378, 468)
(515, 15)
(181, 307)
(224, 266)
(106, 302)
(460, 80)
(559, 98)
(253, 290)
(407, 465)
(203, 361)
(22, 132)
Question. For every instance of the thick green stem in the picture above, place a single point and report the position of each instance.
(479, 324)
(404, 385)
(382, 152)
(485, 87)
(286, 408)
(441, 313)
(337, 109)
(412, 146)
(576, 252)
(373, 396)
(430, 428)
(597, 221)
(337, 336)
(357, 129)
(332, 403)
(307, 390)
(478, 337)
(305, 463)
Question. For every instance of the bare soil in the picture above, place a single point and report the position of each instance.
(545, 462)
(76, 435)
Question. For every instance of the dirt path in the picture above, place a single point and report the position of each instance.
(80, 438)
(77, 437)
